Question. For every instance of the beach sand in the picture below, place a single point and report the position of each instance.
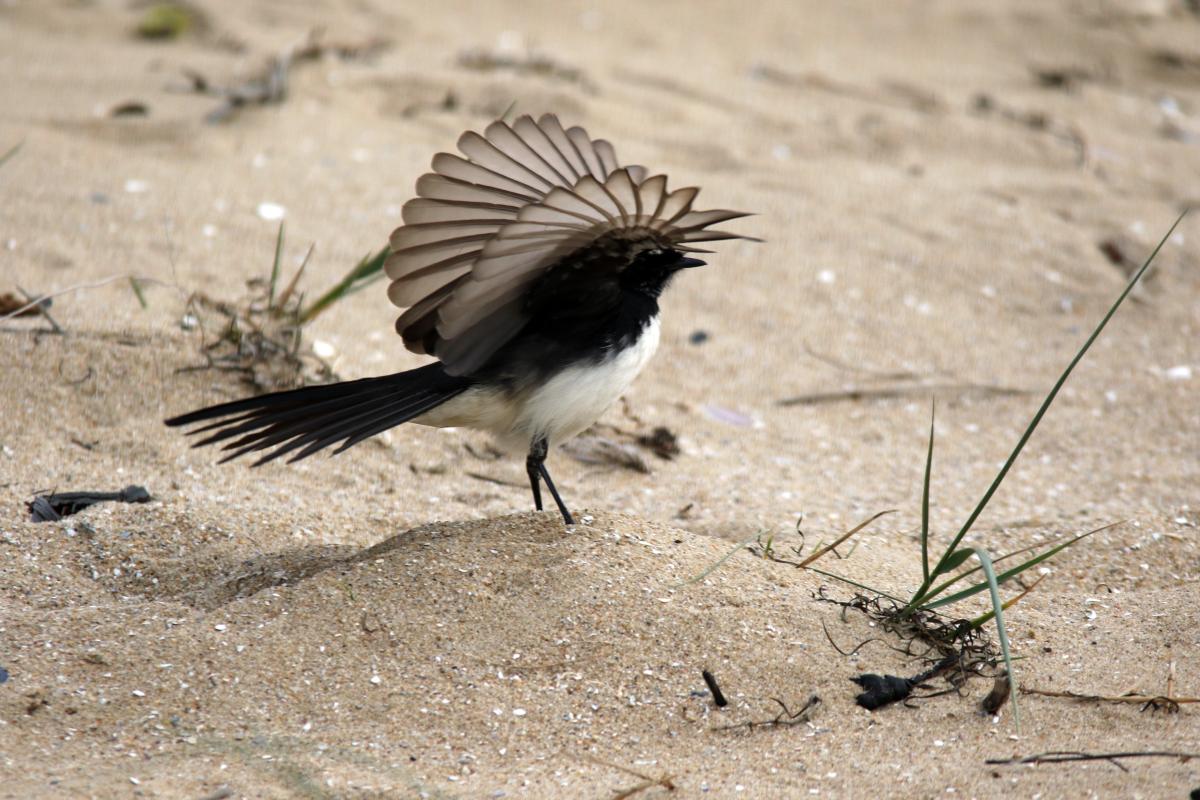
(951, 195)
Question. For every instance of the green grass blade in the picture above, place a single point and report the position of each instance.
(136, 285)
(12, 151)
(1041, 412)
(1069, 540)
(998, 610)
(957, 558)
(275, 268)
(361, 275)
(925, 498)
(708, 571)
(1004, 576)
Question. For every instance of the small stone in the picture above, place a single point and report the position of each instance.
(271, 211)
(1181, 373)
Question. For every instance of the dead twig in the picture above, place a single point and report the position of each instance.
(829, 547)
(1064, 756)
(892, 392)
(41, 300)
(647, 781)
(1160, 702)
(479, 476)
(714, 689)
(768, 550)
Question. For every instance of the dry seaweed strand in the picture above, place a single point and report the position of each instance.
(786, 718)
(954, 649)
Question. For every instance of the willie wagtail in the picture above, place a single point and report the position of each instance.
(531, 268)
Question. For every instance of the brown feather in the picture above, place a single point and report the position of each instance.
(487, 224)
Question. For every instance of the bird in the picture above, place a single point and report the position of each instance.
(530, 266)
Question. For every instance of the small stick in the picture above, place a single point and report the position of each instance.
(1132, 697)
(843, 538)
(647, 781)
(1063, 756)
(68, 290)
(711, 683)
(891, 392)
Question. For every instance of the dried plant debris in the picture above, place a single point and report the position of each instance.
(647, 781)
(998, 696)
(1158, 702)
(12, 305)
(524, 63)
(1066, 756)
(1064, 78)
(603, 451)
(662, 442)
(954, 650)
(261, 338)
(269, 85)
(129, 108)
(53, 507)
(611, 446)
(786, 718)
(893, 93)
(870, 393)
(985, 105)
(260, 343)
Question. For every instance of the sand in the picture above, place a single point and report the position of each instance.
(934, 182)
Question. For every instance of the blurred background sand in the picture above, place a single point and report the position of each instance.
(952, 194)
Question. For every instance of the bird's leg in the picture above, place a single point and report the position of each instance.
(535, 465)
(562, 507)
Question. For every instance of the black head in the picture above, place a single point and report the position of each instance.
(652, 270)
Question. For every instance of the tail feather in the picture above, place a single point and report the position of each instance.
(315, 417)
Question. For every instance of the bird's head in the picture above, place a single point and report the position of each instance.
(652, 269)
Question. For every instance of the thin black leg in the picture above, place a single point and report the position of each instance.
(562, 507)
(535, 465)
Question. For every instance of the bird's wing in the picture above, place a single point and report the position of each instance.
(486, 225)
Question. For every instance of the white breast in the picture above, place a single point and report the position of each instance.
(576, 397)
(560, 408)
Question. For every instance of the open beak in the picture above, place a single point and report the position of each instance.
(685, 263)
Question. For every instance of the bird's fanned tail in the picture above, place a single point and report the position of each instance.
(314, 417)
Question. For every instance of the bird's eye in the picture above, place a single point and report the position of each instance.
(655, 252)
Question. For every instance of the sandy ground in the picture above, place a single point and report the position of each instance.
(934, 182)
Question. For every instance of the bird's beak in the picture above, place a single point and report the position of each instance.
(685, 263)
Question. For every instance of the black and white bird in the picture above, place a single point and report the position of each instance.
(531, 267)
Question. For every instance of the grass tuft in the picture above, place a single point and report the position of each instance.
(261, 337)
(936, 581)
